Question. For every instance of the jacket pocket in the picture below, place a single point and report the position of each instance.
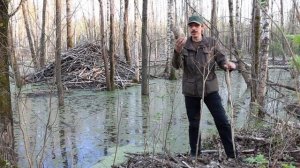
(189, 60)
(189, 87)
(212, 86)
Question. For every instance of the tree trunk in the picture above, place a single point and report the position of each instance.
(125, 34)
(30, 41)
(43, 36)
(70, 37)
(241, 66)
(112, 46)
(13, 60)
(282, 27)
(6, 119)
(145, 76)
(119, 32)
(59, 85)
(272, 35)
(255, 56)
(238, 27)
(104, 51)
(94, 22)
(292, 20)
(264, 55)
(170, 41)
(107, 20)
(232, 28)
(34, 27)
(136, 44)
(214, 28)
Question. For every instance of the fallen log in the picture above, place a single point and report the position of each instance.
(293, 151)
(252, 138)
(270, 83)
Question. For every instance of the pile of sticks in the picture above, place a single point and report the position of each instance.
(158, 160)
(83, 67)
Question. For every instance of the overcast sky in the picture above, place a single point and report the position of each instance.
(88, 7)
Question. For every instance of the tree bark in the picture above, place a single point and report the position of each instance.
(272, 35)
(43, 36)
(6, 119)
(292, 19)
(13, 59)
(104, 51)
(112, 46)
(136, 44)
(255, 56)
(241, 65)
(145, 75)
(125, 34)
(238, 27)
(70, 37)
(264, 55)
(214, 28)
(282, 27)
(59, 85)
(34, 27)
(29, 37)
(170, 41)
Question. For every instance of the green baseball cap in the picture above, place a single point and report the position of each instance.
(196, 19)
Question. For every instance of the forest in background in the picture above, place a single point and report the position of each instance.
(139, 34)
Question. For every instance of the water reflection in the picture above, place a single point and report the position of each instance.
(87, 130)
(62, 137)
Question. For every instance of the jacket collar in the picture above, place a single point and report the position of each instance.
(189, 43)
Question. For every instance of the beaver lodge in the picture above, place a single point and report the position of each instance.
(83, 67)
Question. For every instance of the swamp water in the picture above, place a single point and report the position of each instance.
(85, 133)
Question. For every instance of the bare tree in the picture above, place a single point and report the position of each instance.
(292, 19)
(255, 54)
(238, 26)
(282, 27)
(119, 32)
(34, 26)
(43, 36)
(112, 46)
(107, 19)
(104, 51)
(145, 77)
(264, 55)
(29, 37)
(13, 59)
(241, 65)
(214, 29)
(59, 85)
(272, 37)
(6, 117)
(125, 34)
(70, 37)
(136, 43)
(170, 40)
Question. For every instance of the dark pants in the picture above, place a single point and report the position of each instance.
(213, 103)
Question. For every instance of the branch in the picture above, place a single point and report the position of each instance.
(16, 10)
(270, 83)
